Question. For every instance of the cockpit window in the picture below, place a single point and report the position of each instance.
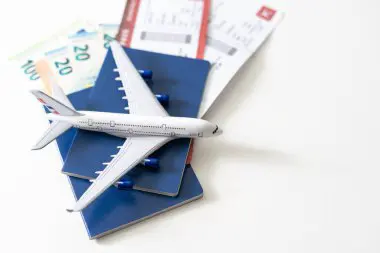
(216, 129)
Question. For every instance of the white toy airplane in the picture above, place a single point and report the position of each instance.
(147, 127)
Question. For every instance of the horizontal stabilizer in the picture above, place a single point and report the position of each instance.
(56, 129)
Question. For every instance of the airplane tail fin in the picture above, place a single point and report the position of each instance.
(58, 93)
(63, 108)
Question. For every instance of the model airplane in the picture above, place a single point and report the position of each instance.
(146, 128)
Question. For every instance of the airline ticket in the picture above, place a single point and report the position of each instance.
(176, 27)
(231, 40)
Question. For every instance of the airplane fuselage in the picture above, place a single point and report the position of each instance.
(128, 125)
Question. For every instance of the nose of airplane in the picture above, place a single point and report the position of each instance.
(217, 130)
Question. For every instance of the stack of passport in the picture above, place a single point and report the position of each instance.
(155, 190)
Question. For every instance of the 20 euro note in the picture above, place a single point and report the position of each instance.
(25, 60)
(87, 54)
(88, 51)
(77, 64)
(108, 33)
(61, 63)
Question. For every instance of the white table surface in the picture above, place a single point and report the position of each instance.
(296, 170)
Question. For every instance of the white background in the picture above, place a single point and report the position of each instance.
(296, 170)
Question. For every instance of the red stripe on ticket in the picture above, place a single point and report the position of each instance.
(128, 21)
(203, 32)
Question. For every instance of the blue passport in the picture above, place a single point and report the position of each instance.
(183, 79)
(116, 209)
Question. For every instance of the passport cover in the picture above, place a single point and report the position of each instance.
(116, 209)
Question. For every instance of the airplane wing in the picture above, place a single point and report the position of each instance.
(131, 153)
(141, 100)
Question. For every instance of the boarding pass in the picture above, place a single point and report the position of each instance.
(231, 40)
(176, 27)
